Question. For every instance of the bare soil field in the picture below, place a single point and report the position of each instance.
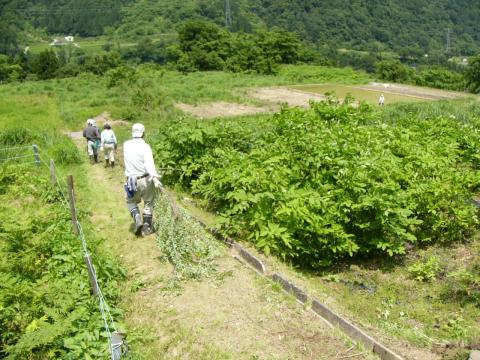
(286, 95)
(220, 109)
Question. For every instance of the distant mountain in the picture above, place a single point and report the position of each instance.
(404, 26)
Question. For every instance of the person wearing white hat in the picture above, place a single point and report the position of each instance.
(381, 100)
(93, 137)
(142, 179)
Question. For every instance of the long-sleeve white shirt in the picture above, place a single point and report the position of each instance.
(108, 137)
(138, 158)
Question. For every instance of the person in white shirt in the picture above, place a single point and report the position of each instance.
(381, 100)
(108, 144)
(142, 180)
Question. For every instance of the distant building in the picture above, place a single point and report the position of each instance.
(62, 41)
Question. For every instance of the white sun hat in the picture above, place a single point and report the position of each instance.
(138, 130)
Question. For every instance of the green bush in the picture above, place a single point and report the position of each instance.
(425, 270)
(333, 181)
(17, 136)
(65, 152)
(464, 284)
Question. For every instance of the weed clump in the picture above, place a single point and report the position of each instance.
(184, 243)
(65, 152)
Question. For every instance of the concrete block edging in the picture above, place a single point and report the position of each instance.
(320, 309)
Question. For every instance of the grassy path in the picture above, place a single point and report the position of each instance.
(236, 316)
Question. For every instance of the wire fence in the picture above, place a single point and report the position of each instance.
(116, 343)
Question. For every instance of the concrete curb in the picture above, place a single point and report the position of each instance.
(474, 355)
(354, 332)
(249, 258)
(318, 308)
(289, 287)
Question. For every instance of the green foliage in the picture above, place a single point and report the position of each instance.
(464, 284)
(65, 152)
(184, 243)
(206, 46)
(88, 18)
(472, 74)
(45, 65)
(47, 308)
(16, 135)
(10, 71)
(440, 78)
(393, 70)
(333, 181)
(147, 50)
(425, 269)
(100, 64)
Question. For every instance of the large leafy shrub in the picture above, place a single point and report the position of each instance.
(333, 181)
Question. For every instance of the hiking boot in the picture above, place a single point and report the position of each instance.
(95, 157)
(107, 163)
(147, 227)
(112, 163)
(138, 221)
(146, 230)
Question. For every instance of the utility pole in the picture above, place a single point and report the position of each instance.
(228, 14)
(448, 47)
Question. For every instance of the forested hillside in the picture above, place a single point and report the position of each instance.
(407, 27)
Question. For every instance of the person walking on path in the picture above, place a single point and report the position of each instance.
(142, 180)
(108, 144)
(381, 100)
(93, 138)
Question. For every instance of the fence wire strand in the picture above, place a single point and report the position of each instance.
(16, 157)
(16, 148)
(108, 321)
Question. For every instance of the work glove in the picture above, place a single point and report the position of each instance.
(158, 185)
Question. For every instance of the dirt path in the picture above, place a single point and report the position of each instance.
(240, 316)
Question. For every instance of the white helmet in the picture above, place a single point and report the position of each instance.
(138, 130)
(90, 122)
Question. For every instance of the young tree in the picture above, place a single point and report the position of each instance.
(45, 64)
(393, 70)
(472, 75)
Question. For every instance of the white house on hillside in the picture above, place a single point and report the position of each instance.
(62, 41)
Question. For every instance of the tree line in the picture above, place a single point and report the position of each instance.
(408, 27)
(205, 46)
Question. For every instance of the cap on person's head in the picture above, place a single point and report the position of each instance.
(90, 122)
(138, 130)
(107, 126)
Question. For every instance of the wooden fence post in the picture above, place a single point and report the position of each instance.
(53, 175)
(71, 200)
(91, 274)
(36, 154)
